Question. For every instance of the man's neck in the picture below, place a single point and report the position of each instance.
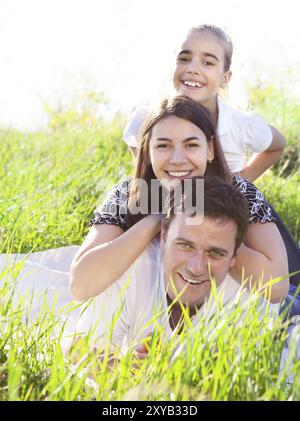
(175, 313)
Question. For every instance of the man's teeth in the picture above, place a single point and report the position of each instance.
(178, 173)
(191, 281)
(193, 84)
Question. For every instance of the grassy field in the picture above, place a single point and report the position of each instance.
(50, 183)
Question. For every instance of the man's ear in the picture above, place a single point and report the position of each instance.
(233, 260)
(232, 263)
(226, 79)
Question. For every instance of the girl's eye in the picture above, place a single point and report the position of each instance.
(183, 59)
(208, 63)
(192, 145)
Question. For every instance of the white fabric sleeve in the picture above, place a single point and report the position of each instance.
(105, 316)
(258, 134)
(134, 125)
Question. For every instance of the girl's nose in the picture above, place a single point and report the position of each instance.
(193, 68)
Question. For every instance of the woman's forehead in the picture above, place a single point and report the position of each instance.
(172, 123)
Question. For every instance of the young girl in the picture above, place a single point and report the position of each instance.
(202, 68)
(178, 142)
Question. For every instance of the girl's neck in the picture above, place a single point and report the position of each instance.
(212, 106)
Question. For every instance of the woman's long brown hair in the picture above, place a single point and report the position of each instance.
(186, 109)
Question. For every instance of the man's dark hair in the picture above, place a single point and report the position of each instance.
(221, 201)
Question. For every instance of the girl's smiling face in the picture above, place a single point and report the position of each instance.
(178, 150)
(199, 70)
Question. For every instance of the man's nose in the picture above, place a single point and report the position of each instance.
(177, 156)
(198, 264)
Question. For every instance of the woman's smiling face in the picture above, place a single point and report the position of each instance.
(178, 150)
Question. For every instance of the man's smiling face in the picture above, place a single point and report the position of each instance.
(192, 252)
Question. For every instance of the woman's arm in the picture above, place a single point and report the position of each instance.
(107, 253)
(263, 257)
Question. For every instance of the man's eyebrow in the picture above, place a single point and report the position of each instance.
(185, 240)
(219, 250)
(204, 54)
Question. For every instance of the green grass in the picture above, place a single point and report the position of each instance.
(238, 358)
(283, 194)
(51, 182)
(282, 110)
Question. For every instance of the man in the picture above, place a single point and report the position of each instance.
(178, 272)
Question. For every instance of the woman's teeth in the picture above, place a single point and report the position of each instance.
(193, 84)
(178, 173)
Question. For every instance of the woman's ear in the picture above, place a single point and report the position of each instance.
(226, 79)
(162, 233)
(210, 151)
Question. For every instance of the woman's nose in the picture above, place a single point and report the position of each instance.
(177, 156)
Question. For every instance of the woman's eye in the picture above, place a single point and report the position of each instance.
(162, 146)
(192, 145)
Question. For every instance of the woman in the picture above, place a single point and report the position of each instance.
(178, 142)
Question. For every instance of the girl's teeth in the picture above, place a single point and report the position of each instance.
(192, 84)
(178, 173)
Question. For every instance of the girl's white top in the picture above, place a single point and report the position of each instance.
(238, 132)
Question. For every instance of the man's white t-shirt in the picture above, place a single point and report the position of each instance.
(238, 133)
(143, 303)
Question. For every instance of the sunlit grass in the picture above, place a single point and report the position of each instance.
(233, 355)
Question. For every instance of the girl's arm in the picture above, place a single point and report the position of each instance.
(263, 257)
(260, 162)
(133, 150)
(107, 253)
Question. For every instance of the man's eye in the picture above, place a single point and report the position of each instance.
(184, 246)
(215, 254)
